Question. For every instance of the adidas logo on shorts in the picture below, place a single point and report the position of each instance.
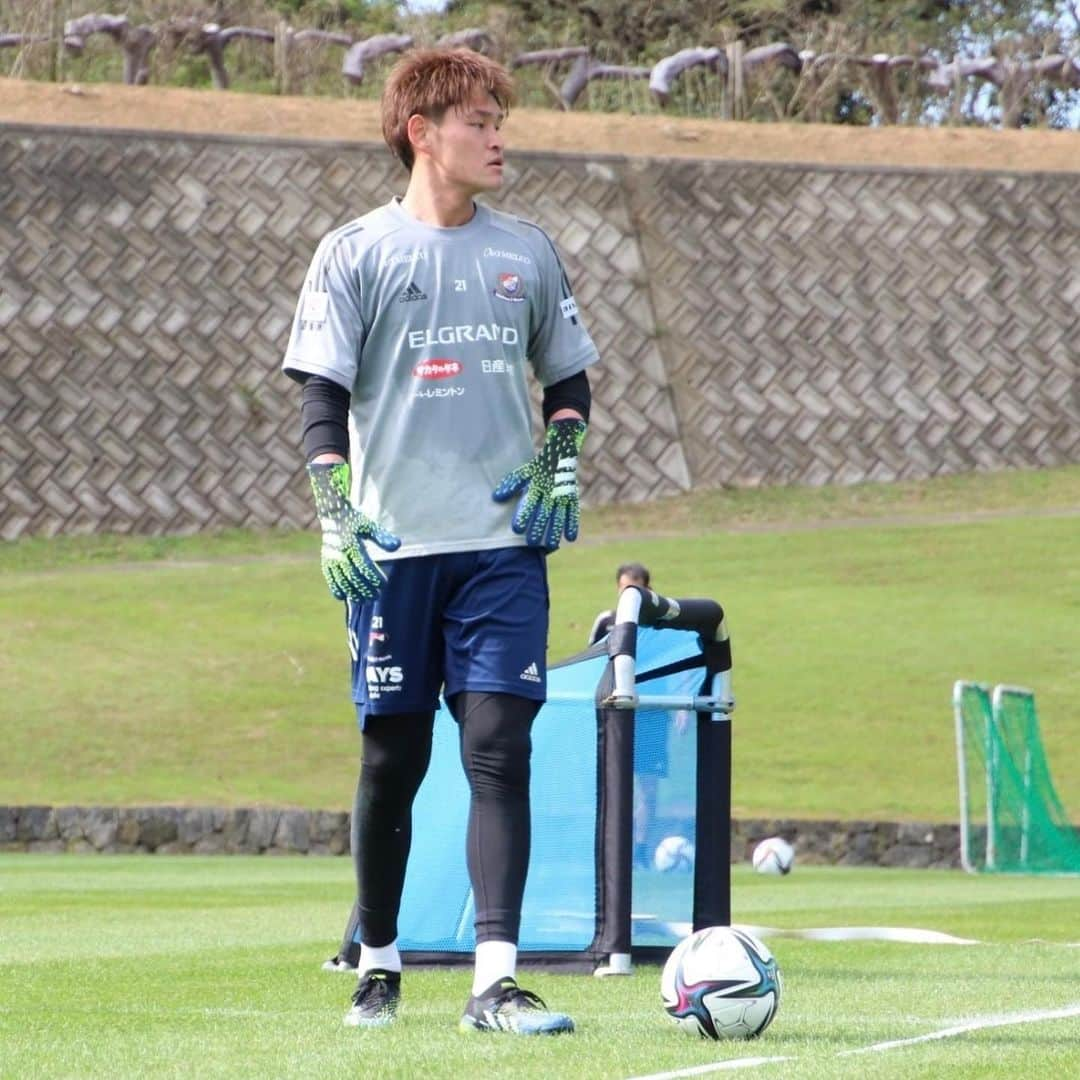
(531, 673)
(411, 292)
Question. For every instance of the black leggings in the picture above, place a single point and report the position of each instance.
(495, 736)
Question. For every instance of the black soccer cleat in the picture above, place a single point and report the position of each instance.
(375, 1003)
(504, 1006)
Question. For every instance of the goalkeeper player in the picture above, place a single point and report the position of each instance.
(413, 338)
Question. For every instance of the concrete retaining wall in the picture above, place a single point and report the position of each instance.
(251, 831)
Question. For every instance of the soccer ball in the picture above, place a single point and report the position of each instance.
(774, 856)
(674, 853)
(721, 983)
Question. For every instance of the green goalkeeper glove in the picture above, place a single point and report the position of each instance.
(548, 509)
(346, 565)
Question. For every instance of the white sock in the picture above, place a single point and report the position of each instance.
(386, 957)
(495, 960)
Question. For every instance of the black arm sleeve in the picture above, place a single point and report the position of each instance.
(571, 393)
(324, 418)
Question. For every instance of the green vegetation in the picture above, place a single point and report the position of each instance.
(635, 33)
(183, 966)
(213, 670)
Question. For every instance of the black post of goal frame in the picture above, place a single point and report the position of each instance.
(615, 824)
(617, 699)
(712, 867)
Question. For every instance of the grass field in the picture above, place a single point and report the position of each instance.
(212, 670)
(120, 966)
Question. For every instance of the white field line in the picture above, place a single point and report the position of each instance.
(977, 1023)
(910, 934)
(715, 1066)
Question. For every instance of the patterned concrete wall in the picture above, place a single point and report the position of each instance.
(848, 325)
(759, 324)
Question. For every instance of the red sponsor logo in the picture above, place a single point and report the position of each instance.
(439, 368)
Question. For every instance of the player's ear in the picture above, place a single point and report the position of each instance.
(418, 128)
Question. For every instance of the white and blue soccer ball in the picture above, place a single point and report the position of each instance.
(674, 854)
(721, 983)
(774, 856)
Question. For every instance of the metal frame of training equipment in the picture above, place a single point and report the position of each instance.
(992, 706)
(993, 703)
(960, 687)
(618, 695)
(997, 702)
(621, 690)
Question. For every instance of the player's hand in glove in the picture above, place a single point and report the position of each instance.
(346, 565)
(548, 509)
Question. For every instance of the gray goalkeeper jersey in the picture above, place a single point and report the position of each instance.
(430, 330)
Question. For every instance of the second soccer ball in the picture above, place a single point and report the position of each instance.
(674, 853)
(774, 856)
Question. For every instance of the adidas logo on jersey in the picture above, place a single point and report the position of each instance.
(531, 673)
(411, 292)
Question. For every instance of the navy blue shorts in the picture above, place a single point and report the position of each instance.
(473, 620)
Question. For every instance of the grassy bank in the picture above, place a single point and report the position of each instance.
(213, 669)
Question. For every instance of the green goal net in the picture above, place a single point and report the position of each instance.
(1011, 819)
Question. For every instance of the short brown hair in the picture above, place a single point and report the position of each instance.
(430, 81)
(634, 571)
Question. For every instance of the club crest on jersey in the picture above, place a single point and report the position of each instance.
(510, 287)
